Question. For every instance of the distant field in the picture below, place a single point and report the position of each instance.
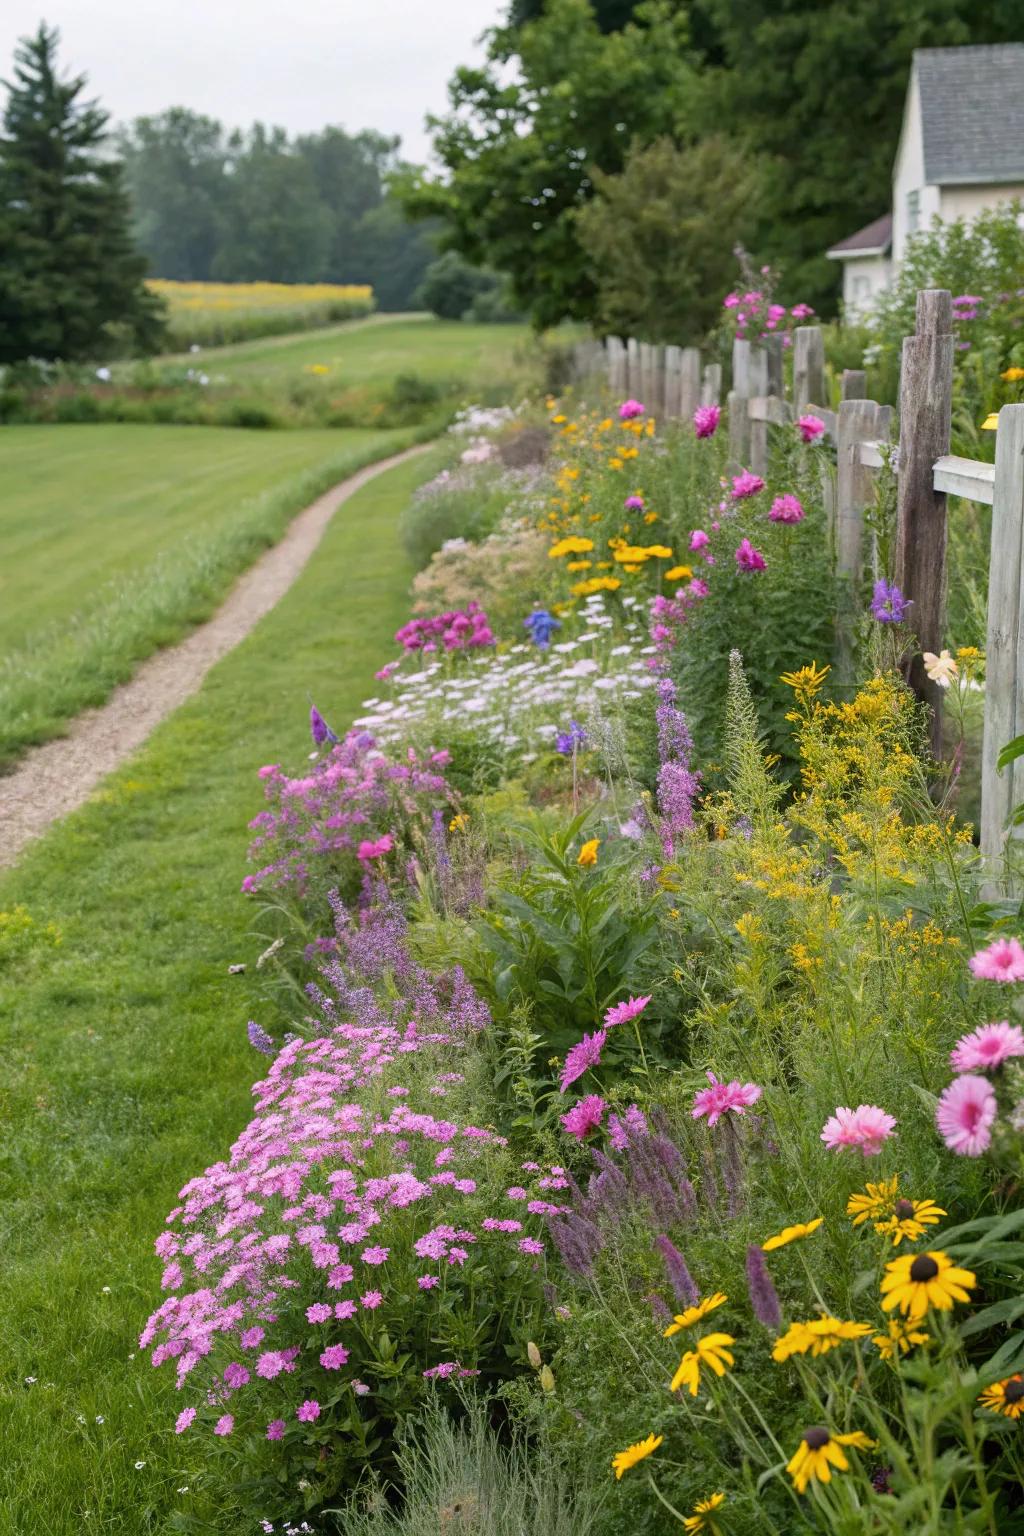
(215, 313)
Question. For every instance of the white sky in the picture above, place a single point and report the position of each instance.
(360, 63)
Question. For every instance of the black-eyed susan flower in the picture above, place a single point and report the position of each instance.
(900, 1337)
(920, 1281)
(817, 1337)
(702, 1511)
(909, 1219)
(694, 1314)
(792, 1234)
(634, 1453)
(713, 1352)
(1005, 1397)
(874, 1201)
(819, 1451)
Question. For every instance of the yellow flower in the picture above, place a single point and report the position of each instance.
(696, 1521)
(1013, 375)
(595, 584)
(877, 1200)
(614, 463)
(919, 1281)
(819, 1452)
(579, 565)
(632, 554)
(588, 853)
(791, 1234)
(634, 1453)
(909, 1219)
(679, 573)
(658, 552)
(899, 1338)
(816, 1337)
(806, 683)
(459, 823)
(573, 545)
(650, 517)
(1005, 1397)
(712, 1351)
(991, 422)
(558, 420)
(317, 368)
(694, 1314)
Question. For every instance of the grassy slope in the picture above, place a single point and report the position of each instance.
(126, 1063)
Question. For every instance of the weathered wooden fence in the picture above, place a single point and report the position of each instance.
(672, 381)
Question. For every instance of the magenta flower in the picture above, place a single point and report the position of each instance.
(372, 1300)
(318, 1313)
(987, 1047)
(706, 419)
(964, 1115)
(334, 1358)
(530, 1245)
(864, 1128)
(275, 1429)
(584, 1117)
(698, 539)
(746, 485)
(634, 503)
(748, 558)
(810, 427)
(584, 1055)
(224, 1425)
(801, 311)
(183, 1420)
(427, 1282)
(375, 1255)
(377, 850)
(1003, 960)
(720, 1098)
(309, 1411)
(621, 1128)
(630, 409)
(621, 1013)
(786, 509)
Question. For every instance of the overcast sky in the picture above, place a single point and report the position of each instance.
(377, 64)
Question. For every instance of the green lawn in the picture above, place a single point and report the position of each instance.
(117, 539)
(126, 1067)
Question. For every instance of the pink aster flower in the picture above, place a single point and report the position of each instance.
(786, 509)
(1003, 960)
(427, 1282)
(318, 1313)
(252, 1338)
(745, 485)
(699, 539)
(634, 503)
(706, 419)
(865, 1128)
(801, 311)
(987, 1047)
(530, 1245)
(334, 1358)
(309, 1411)
(622, 1013)
(964, 1115)
(586, 1053)
(377, 850)
(748, 558)
(810, 427)
(722, 1097)
(630, 409)
(584, 1117)
(183, 1420)
(270, 1364)
(372, 1300)
(275, 1429)
(224, 1425)
(343, 1310)
(375, 1255)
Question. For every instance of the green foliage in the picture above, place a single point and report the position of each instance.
(660, 236)
(468, 503)
(70, 279)
(451, 289)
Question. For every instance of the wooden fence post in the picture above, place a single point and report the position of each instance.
(689, 395)
(860, 421)
(1004, 652)
(658, 379)
(758, 430)
(616, 353)
(632, 367)
(853, 385)
(926, 386)
(808, 367)
(673, 381)
(739, 394)
(711, 385)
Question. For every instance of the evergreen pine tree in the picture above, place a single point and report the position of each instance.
(70, 277)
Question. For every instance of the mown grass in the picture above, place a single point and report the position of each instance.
(126, 1066)
(118, 540)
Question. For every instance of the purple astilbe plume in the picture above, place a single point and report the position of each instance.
(731, 1164)
(649, 1180)
(621, 1128)
(679, 1278)
(578, 1242)
(659, 1311)
(259, 1039)
(763, 1296)
(678, 783)
(319, 729)
(709, 1180)
(614, 1189)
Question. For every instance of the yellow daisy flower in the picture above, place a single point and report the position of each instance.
(694, 1314)
(876, 1200)
(900, 1337)
(1005, 1397)
(909, 1219)
(634, 1453)
(817, 1337)
(1013, 375)
(792, 1234)
(703, 1507)
(819, 1451)
(679, 573)
(919, 1281)
(588, 853)
(459, 823)
(711, 1351)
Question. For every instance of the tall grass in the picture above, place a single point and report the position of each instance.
(216, 314)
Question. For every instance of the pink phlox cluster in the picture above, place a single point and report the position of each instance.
(670, 614)
(457, 630)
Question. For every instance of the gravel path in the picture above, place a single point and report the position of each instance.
(56, 778)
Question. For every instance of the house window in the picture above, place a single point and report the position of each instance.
(913, 211)
(860, 289)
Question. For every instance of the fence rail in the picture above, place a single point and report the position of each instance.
(672, 381)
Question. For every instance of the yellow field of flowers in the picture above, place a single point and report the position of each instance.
(211, 314)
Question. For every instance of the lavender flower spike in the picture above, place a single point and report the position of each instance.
(319, 729)
(260, 1040)
(679, 1277)
(764, 1298)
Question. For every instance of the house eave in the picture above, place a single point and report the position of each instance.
(865, 250)
(979, 179)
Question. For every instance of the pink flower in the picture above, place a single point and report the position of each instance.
(183, 1420)
(375, 1255)
(988, 1046)
(634, 503)
(622, 1013)
(427, 1282)
(372, 1300)
(377, 850)
(270, 1364)
(964, 1115)
(530, 1245)
(745, 485)
(698, 539)
(721, 1097)
(343, 1310)
(224, 1425)
(706, 419)
(630, 409)
(786, 509)
(584, 1117)
(1003, 960)
(865, 1127)
(801, 311)
(309, 1411)
(586, 1053)
(275, 1429)
(318, 1313)
(748, 558)
(252, 1338)
(334, 1358)
(810, 427)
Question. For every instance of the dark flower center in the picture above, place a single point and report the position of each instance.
(816, 1437)
(904, 1209)
(923, 1269)
(1014, 1390)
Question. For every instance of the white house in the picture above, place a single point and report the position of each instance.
(961, 150)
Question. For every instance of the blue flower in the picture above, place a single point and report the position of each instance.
(319, 729)
(542, 626)
(567, 742)
(888, 605)
(260, 1040)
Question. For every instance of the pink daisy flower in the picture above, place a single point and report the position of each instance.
(621, 1013)
(183, 1420)
(224, 1425)
(745, 485)
(748, 558)
(371, 1300)
(275, 1429)
(630, 409)
(786, 509)
(722, 1097)
(334, 1358)
(810, 427)
(698, 539)
(584, 1054)
(634, 503)
(531, 1245)
(1003, 960)
(964, 1115)
(427, 1282)
(706, 419)
(584, 1117)
(987, 1046)
(865, 1128)
(308, 1412)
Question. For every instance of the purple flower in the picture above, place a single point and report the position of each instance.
(763, 1296)
(748, 558)
(275, 1429)
(183, 1420)
(584, 1117)
(622, 1013)
(706, 419)
(334, 1358)
(308, 1412)
(585, 1054)
(634, 503)
(224, 1425)
(630, 409)
(888, 605)
(260, 1040)
(542, 626)
(683, 1286)
(568, 741)
(319, 729)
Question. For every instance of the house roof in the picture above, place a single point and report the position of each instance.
(972, 113)
(873, 240)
